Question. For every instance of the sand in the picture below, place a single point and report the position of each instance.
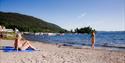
(51, 53)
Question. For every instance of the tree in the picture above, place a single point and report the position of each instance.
(87, 30)
(71, 31)
(76, 30)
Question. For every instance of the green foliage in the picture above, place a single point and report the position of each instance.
(87, 30)
(27, 23)
(63, 31)
(9, 36)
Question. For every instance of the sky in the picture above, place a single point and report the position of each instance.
(102, 15)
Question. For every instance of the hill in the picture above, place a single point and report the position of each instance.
(27, 23)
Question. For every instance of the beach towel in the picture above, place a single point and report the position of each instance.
(12, 49)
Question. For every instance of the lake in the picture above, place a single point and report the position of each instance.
(103, 39)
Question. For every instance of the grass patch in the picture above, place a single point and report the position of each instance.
(9, 36)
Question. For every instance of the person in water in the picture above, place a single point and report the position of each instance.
(93, 38)
(21, 44)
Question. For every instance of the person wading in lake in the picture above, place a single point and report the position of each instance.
(93, 38)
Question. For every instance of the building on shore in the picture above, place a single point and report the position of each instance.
(3, 29)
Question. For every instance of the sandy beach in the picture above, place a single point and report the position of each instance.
(51, 53)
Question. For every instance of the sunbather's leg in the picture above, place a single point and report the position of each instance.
(27, 45)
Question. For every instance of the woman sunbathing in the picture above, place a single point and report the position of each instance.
(21, 44)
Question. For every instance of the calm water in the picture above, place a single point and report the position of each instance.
(103, 39)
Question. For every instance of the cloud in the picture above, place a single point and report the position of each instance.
(82, 15)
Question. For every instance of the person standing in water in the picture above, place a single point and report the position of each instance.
(93, 38)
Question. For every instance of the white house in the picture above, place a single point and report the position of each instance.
(9, 30)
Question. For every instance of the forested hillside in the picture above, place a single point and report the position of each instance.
(27, 23)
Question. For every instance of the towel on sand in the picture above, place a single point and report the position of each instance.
(12, 49)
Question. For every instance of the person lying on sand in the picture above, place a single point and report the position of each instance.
(21, 44)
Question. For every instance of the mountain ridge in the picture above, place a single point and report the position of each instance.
(27, 23)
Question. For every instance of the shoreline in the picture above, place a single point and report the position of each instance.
(83, 40)
(52, 53)
(110, 48)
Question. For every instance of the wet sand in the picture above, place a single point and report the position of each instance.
(51, 53)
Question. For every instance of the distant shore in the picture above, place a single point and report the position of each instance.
(54, 53)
